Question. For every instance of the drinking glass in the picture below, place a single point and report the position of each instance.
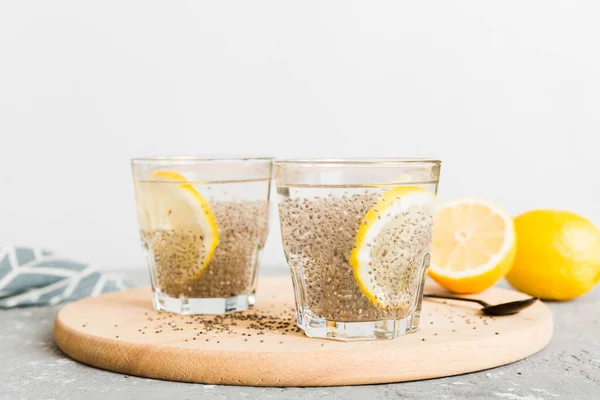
(203, 225)
(356, 235)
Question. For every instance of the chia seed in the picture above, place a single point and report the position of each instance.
(177, 256)
(319, 234)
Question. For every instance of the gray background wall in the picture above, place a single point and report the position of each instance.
(505, 93)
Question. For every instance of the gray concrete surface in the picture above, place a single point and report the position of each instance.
(32, 367)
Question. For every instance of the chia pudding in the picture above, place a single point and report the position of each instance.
(177, 256)
(319, 233)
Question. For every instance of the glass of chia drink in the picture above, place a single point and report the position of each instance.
(356, 235)
(203, 225)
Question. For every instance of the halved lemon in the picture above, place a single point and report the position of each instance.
(392, 246)
(167, 205)
(473, 245)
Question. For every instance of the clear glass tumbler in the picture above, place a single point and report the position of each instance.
(356, 235)
(203, 225)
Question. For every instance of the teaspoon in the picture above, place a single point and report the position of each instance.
(512, 307)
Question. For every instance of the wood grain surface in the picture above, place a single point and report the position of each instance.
(121, 332)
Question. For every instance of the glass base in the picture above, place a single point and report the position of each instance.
(208, 305)
(386, 329)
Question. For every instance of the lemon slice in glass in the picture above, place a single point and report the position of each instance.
(170, 204)
(391, 246)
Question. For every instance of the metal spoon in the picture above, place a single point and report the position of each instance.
(512, 307)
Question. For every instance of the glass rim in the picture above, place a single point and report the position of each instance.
(371, 161)
(175, 159)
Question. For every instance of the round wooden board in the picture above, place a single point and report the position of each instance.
(121, 332)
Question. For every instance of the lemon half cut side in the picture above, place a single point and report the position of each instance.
(473, 245)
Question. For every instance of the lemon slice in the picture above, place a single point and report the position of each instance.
(473, 245)
(167, 205)
(392, 246)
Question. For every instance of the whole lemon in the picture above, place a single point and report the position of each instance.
(558, 255)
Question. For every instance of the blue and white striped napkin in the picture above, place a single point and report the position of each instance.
(33, 276)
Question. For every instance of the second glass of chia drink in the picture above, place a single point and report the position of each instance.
(203, 225)
(356, 235)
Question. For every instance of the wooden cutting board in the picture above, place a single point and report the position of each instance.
(121, 332)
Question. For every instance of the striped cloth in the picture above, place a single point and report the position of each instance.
(33, 277)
